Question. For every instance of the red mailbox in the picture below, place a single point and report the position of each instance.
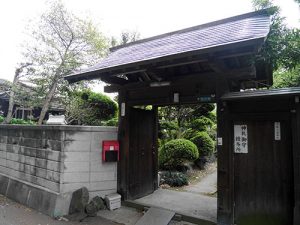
(110, 151)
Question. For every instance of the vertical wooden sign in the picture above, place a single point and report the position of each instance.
(277, 131)
(240, 139)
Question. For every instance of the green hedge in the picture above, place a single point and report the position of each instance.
(18, 121)
(204, 143)
(175, 152)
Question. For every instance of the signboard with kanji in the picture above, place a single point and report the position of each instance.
(240, 139)
(277, 132)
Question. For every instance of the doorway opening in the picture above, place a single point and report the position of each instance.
(173, 163)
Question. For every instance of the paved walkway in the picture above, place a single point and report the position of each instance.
(191, 204)
(207, 185)
(193, 201)
(12, 213)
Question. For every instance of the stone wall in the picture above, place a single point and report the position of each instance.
(45, 163)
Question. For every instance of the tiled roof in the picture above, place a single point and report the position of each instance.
(236, 29)
(262, 93)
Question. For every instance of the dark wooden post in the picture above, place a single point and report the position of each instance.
(225, 181)
(155, 149)
(296, 156)
(123, 137)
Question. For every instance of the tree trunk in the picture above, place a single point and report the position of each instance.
(48, 99)
(12, 97)
(12, 93)
(10, 106)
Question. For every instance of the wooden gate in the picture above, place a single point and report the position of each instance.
(142, 153)
(263, 177)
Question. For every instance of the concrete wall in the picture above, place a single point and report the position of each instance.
(83, 165)
(56, 160)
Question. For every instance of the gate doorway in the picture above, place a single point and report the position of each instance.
(195, 200)
(142, 153)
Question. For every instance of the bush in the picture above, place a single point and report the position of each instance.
(175, 152)
(18, 121)
(204, 144)
(174, 179)
(90, 108)
(202, 123)
(189, 133)
(168, 130)
(111, 123)
(203, 109)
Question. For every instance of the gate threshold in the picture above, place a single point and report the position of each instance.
(177, 215)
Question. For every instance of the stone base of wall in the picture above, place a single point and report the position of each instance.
(42, 200)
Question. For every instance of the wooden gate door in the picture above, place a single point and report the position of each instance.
(263, 181)
(142, 153)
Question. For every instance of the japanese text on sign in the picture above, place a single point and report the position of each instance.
(240, 139)
(277, 132)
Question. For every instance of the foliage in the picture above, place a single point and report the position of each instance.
(18, 121)
(175, 152)
(287, 78)
(189, 133)
(111, 123)
(90, 108)
(202, 123)
(262, 4)
(204, 143)
(176, 120)
(204, 109)
(174, 179)
(281, 49)
(61, 44)
(126, 37)
(168, 130)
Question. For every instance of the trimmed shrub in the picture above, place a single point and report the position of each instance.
(203, 109)
(189, 133)
(168, 130)
(212, 116)
(204, 144)
(90, 108)
(202, 123)
(174, 179)
(175, 152)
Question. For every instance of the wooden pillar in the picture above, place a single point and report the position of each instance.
(296, 156)
(225, 160)
(123, 137)
(155, 148)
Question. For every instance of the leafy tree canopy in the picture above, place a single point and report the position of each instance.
(62, 43)
(282, 47)
(89, 108)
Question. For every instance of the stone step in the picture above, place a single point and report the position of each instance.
(156, 216)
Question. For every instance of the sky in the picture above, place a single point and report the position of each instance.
(149, 18)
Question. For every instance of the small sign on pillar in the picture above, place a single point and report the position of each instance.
(277, 131)
(123, 109)
(240, 139)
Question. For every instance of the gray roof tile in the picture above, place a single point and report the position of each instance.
(232, 30)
